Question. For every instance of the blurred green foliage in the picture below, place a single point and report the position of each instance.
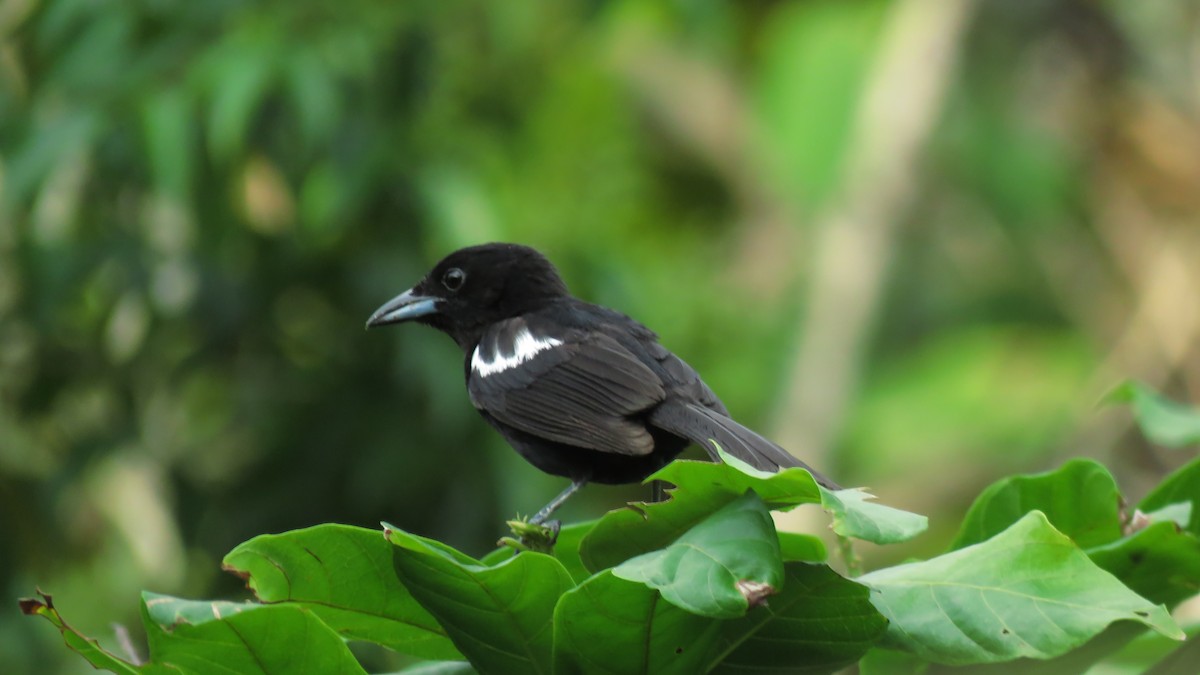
(200, 203)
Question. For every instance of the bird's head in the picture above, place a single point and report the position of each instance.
(473, 288)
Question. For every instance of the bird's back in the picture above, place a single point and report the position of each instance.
(679, 379)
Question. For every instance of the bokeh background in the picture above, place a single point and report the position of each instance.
(913, 241)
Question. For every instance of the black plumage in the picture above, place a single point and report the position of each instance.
(579, 390)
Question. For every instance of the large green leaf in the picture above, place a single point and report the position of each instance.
(610, 625)
(499, 617)
(168, 611)
(641, 527)
(344, 575)
(1028, 591)
(726, 564)
(794, 546)
(1165, 422)
(566, 549)
(855, 515)
(1079, 660)
(1160, 562)
(820, 623)
(891, 662)
(718, 483)
(1181, 487)
(1079, 498)
(189, 637)
(704, 487)
(262, 639)
(701, 488)
(852, 511)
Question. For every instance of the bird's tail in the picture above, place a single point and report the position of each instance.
(703, 426)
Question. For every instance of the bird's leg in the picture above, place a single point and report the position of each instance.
(658, 491)
(541, 516)
(538, 534)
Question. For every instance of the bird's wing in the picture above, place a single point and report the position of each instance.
(583, 390)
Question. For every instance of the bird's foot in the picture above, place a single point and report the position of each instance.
(532, 535)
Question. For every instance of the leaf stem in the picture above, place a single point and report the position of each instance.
(849, 556)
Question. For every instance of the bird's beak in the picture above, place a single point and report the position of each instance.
(403, 307)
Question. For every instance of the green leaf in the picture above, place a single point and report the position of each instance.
(566, 549)
(1180, 662)
(1079, 498)
(1163, 421)
(1181, 487)
(781, 490)
(497, 556)
(499, 617)
(855, 516)
(719, 568)
(200, 637)
(344, 575)
(1160, 562)
(627, 532)
(88, 648)
(267, 639)
(610, 625)
(1079, 660)
(794, 546)
(1179, 513)
(169, 612)
(820, 623)
(701, 488)
(704, 487)
(852, 512)
(891, 662)
(439, 668)
(1028, 591)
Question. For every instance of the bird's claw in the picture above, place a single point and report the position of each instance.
(532, 536)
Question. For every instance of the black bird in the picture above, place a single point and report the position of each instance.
(581, 391)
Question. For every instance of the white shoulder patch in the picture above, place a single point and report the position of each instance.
(525, 347)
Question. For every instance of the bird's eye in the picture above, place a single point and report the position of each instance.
(453, 278)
